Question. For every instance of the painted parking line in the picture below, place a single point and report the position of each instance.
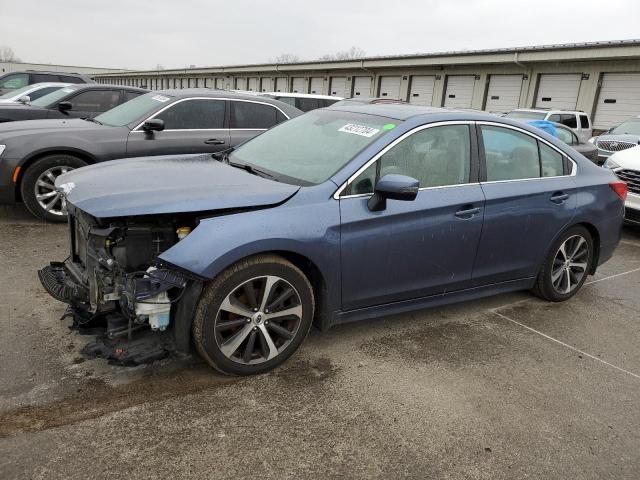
(627, 242)
(612, 276)
(566, 345)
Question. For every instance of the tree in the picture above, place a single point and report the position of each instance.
(7, 55)
(287, 58)
(351, 54)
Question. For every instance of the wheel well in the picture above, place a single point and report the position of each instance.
(317, 280)
(30, 161)
(595, 235)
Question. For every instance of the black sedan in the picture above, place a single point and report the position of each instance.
(79, 101)
(34, 153)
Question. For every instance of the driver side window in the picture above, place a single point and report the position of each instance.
(436, 157)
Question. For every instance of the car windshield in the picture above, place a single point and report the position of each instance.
(520, 115)
(133, 110)
(16, 93)
(630, 127)
(309, 149)
(47, 101)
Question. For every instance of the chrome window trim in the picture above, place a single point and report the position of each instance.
(137, 127)
(336, 194)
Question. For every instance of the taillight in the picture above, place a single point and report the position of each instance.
(620, 188)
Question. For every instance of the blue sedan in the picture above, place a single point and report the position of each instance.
(345, 213)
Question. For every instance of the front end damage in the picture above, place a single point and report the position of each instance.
(138, 308)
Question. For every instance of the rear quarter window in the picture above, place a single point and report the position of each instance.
(250, 115)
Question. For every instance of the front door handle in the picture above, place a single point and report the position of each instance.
(467, 213)
(559, 198)
(214, 141)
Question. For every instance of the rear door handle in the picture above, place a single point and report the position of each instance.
(559, 197)
(467, 213)
(214, 141)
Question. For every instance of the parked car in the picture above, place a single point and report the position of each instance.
(626, 165)
(31, 92)
(79, 101)
(302, 101)
(624, 136)
(34, 153)
(341, 214)
(578, 121)
(567, 135)
(15, 80)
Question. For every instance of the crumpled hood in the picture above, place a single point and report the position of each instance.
(167, 184)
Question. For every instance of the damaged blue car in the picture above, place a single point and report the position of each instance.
(345, 213)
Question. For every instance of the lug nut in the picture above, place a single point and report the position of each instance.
(255, 328)
(248, 320)
(255, 309)
(266, 310)
(266, 322)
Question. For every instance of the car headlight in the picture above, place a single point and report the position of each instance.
(593, 140)
(2, 147)
(609, 163)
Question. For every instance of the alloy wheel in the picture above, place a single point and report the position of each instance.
(258, 320)
(570, 264)
(45, 191)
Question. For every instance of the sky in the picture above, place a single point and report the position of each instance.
(142, 35)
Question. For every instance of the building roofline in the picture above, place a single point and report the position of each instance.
(373, 60)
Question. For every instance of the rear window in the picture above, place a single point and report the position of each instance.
(253, 115)
(584, 121)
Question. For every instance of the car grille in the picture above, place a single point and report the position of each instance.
(613, 146)
(632, 215)
(632, 177)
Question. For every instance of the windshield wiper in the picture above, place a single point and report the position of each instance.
(92, 120)
(251, 169)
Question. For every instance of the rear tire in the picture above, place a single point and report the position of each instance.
(253, 316)
(37, 190)
(566, 267)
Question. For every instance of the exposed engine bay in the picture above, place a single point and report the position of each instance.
(115, 286)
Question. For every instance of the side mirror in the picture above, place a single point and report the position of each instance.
(153, 124)
(26, 99)
(65, 106)
(393, 187)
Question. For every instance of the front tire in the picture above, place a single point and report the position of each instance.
(37, 188)
(253, 316)
(567, 266)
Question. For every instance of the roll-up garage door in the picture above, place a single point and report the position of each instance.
(559, 91)
(618, 100)
(266, 84)
(220, 83)
(390, 87)
(338, 87)
(316, 85)
(362, 86)
(253, 84)
(421, 89)
(241, 83)
(459, 92)
(297, 85)
(282, 84)
(503, 94)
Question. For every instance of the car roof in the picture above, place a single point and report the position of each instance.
(214, 93)
(301, 95)
(405, 111)
(548, 110)
(98, 86)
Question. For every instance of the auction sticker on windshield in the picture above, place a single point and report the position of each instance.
(161, 98)
(361, 130)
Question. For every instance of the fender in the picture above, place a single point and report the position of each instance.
(219, 242)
